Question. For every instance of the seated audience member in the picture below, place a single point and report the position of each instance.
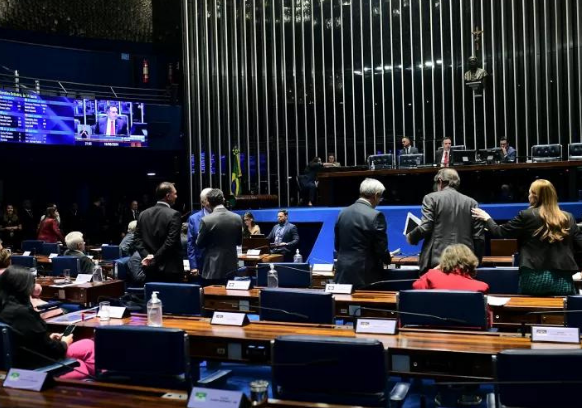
(30, 330)
(10, 227)
(48, 230)
(249, 226)
(76, 247)
(508, 152)
(126, 246)
(550, 242)
(456, 271)
(309, 179)
(4, 259)
(331, 161)
(136, 276)
(284, 236)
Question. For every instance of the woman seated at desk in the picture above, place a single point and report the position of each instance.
(30, 331)
(249, 226)
(457, 271)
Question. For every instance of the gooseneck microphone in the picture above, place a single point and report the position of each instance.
(273, 309)
(399, 312)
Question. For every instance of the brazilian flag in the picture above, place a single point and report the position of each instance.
(236, 175)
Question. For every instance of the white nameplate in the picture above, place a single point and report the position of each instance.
(212, 398)
(555, 334)
(25, 379)
(26, 253)
(376, 326)
(253, 252)
(53, 255)
(83, 278)
(115, 312)
(238, 284)
(229, 319)
(343, 289)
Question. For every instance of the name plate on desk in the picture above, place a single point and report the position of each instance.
(53, 255)
(208, 397)
(376, 326)
(238, 284)
(343, 289)
(253, 252)
(116, 312)
(26, 253)
(555, 334)
(229, 319)
(25, 379)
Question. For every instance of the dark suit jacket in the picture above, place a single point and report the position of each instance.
(290, 237)
(446, 220)
(565, 255)
(85, 263)
(158, 233)
(439, 156)
(100, 127)
(220, 233)
(361, 244)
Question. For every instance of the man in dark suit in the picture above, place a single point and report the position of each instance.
(508, 152)
(111, 124)
(76, 247)
(220, 233)
(284, 236)
(130, 214)
(446, 220)
(360, 238)
(443, 154)
(407, 147)
(157, 238)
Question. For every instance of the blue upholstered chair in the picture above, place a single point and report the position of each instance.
(291, 275)
(572, 303)
(21, 260)
(294, 305)
(177, 298)
(501, 280)
(395, 280)
(524, 371)
(335, 370)
(32, 245)
(143, 355)
(50, 248)
(110, 252)
(7, 352)
(451, 308)
(60, 263)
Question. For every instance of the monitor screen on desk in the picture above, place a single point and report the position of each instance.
(463, 157)
(493, 155)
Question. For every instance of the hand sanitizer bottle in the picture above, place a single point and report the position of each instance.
(297, 258)
(273, 277)
(155, 311)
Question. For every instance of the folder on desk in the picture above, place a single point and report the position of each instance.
(412, 221)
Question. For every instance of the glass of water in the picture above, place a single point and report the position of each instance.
(67, 274)
(104, 311)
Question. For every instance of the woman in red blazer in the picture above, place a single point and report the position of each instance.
(48, 230)
(456, 272)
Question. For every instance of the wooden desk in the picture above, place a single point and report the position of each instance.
(426, 353)
(46, 263)
(487, 260)
(251, 262)
(514, 312)
(86, 294)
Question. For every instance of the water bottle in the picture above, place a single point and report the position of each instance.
(155, 311)
(273, 278)
(372, 166)
(115, 270)
(297, 258)
(97, 273)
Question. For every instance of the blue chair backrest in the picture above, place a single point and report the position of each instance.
(403, 280)
(555, 367)
(50, 248)
(122, 268)
(177, 298)
(342, 370)
(315, 306)
(291, 275)
(5, 347)
(32, 245)
(60, 263)
(110, 252)
(21, 260)
(574, 302)
(501, 280)
(470, 308)
(140, 353)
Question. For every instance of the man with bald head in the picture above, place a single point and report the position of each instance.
(195, 253)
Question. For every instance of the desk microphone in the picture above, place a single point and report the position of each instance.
(388, 281)
(273, 309)
(540, 312)
(444, 319)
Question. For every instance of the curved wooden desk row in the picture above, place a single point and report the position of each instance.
(427, 353)
(486, 261)
(508, 316)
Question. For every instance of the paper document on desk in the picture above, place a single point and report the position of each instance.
(412, 221)
(323, 269)
(497, 301)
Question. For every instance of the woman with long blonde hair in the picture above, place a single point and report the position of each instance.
(550, 243)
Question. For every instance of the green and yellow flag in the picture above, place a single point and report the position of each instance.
(236, 175)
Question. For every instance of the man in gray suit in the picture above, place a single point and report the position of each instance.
(360, 238)
(446, 220)
(220, 232)
(407, 147)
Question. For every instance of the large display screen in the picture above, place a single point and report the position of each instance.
(58, 120)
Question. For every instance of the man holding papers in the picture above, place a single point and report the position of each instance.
(360, 238)
(446, 220)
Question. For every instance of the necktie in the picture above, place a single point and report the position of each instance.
(111, 128)
(446, 161)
